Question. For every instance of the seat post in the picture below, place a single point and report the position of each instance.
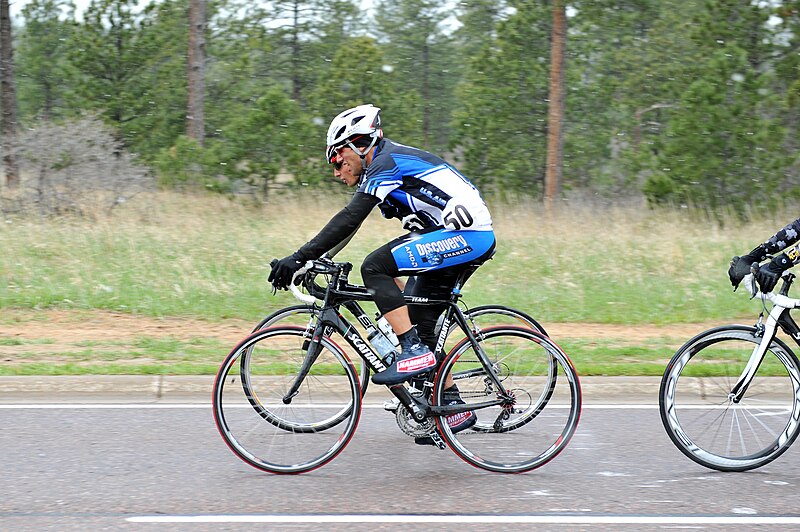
(462, 279)
(467, 272)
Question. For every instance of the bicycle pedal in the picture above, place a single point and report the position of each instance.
(432, 438)
(437, 440)
(391, 405)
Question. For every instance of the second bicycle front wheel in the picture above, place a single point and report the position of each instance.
(304, 316)
(274, 432)
(546, 401)
(696, 403)
(484, 316)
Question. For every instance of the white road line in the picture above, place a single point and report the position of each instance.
(100, 406)
(473, 519)
(145, 406)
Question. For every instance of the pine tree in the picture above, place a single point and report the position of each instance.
(45, 77)
(723, 143)
(501, 124)
(8, 96)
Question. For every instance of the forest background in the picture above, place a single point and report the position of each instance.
(678, 150)
(683, 102)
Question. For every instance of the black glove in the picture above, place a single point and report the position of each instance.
(284, 269)
(768, 274)
(740, 266)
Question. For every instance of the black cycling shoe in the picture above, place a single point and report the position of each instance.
(457, 422)
(414, 360)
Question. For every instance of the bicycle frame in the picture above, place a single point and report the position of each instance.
(778, 317)
(340, 293)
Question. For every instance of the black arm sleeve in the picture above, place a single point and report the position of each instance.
(783, 238)
(341, 226)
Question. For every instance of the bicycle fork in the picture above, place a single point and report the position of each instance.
(767, 331)
(313, 348)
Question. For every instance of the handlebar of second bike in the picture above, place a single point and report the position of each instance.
(779, 300)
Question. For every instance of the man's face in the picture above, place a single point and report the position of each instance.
(347, 166)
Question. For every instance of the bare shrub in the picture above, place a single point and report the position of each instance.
(77, 166)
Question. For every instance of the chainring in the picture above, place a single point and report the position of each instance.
(409, 425)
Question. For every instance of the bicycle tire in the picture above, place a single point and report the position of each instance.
(526, 435)
(283, 314)
(278, 436)
(699, 416)
(519, 317)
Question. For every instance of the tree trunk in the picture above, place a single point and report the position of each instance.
(426, 95)
(638, 117)
(555, 128)
(8, 98)
(195, 115)
(296, 52)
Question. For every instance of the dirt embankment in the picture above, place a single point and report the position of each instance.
(71, 327)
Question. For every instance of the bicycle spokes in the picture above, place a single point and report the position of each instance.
(514, 431)
(716, 421)
(279, 436)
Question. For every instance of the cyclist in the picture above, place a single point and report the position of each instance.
(449, 226)
(768, 273)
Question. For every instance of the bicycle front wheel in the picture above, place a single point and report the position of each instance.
(281, 434)
(700, 416)
(523, 434)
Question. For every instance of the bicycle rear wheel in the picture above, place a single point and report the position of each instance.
(699, 415)
(263, 427)
(538, 374)
(486, 316)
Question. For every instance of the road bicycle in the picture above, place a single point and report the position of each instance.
(286, 401)
(478, 317)
(730, 397)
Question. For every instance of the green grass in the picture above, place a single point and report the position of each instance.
(610, 358)
(108, 369)
(140, 356)
(206, 257)
(201, 356)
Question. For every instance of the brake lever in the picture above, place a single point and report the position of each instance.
(753, 289)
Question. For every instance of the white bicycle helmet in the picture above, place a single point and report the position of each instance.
(364, 120)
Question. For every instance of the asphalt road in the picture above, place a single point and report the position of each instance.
(163, 466)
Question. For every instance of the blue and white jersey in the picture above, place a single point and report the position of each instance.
(409, 181)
